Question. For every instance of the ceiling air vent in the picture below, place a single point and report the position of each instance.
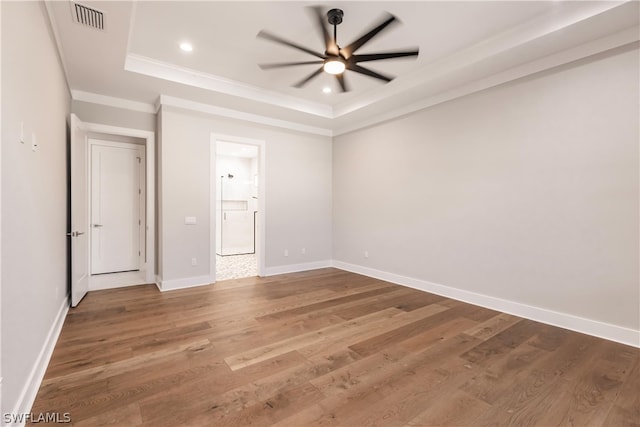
(88, 16)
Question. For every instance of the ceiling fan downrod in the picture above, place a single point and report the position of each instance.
(334, 16)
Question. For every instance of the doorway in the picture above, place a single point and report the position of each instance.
(237, 193)
(82, 279)
(116, 206)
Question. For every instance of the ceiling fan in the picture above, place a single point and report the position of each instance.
(335, 59)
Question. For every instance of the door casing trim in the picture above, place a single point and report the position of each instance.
(148, 267)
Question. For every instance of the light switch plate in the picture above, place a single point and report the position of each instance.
(190, 220)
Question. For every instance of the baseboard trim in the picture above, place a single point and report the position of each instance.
(187, 282)
(563, 320)
(294, 268)
(30, 390)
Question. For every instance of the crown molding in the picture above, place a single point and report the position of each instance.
(185, 104)
(510, 39)
(95, 98)
(370, 104)
(59, 52)
(166, 71)
(613, 41)
(518, 36)
(619, 39)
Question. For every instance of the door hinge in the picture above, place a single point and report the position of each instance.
(139, 191)
(139, 159)
(138, 253)
(139, 223)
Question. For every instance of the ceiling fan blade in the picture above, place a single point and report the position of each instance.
(386, 55)
(368, 72)
(268, 36)
(287, 64)
(351, 48)
(343, 83)
(309, 77)
(329, 42)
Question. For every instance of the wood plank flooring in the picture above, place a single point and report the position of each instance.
(327, 348)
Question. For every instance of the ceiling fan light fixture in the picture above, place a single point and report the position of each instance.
(334, 66)
(335, 60)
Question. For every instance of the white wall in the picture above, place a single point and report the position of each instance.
(34, 194)
(526, 192)
(298, 192)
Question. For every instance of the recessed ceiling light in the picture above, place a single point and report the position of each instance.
(187, 47)
(326, 90)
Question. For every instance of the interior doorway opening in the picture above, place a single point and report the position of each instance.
(80, 222)
(238, 210)
(117, 210)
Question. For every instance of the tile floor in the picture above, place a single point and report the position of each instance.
(236, 266)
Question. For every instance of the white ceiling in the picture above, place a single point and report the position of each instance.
(464, 47)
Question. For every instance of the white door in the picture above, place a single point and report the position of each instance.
(79, 217)
(115, 207)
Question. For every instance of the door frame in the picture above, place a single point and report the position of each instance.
(94, 141)
(213, 216)
(148, 267)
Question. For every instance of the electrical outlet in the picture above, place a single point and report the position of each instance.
(286, 252)
(194, 262)
(303, 251)
(366, 254)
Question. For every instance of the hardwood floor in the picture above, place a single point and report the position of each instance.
(327, 348)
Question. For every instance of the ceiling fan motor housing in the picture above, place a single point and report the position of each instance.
(334, 16)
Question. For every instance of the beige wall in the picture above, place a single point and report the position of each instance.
(34, 192)
(298, 192)
(113, 116)
(526, 192)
